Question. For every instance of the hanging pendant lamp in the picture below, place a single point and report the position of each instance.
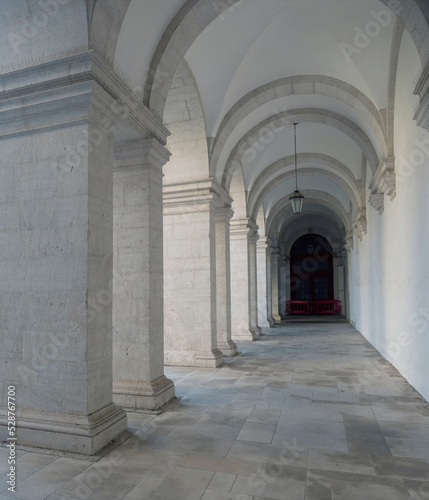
(297, 200)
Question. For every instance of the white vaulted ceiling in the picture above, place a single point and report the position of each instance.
(260, 65)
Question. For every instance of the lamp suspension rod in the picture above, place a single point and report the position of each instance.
(296, 164)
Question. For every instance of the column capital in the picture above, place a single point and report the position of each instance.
(190, 197)
(140, 153)
(243, 228)
(264, 243)
(224, 214)
(275, 251)
(383, 183)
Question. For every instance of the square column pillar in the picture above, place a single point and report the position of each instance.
(243, 317)
(263, 248)
(190, 274)
(138, 322)
(253, 286)
(283, 286)
(271, 320)
(223, 282)
(275, 285)
(56, 262)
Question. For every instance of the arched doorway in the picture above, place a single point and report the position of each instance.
(312, 274)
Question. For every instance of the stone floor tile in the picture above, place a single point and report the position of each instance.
(284, 453)
(256, 432)
(144, 489)
(96, 485)
(418, 490)
(318, 487)
(343, 490)
(264, 416)
(192, 441)
(222, 495)
(364, 435)
(341, 462)
(61, 470)
(222, 481)
(405, 430)
(408, 468)
(291, 480)
(311, 433)
(183, 484)
(409, 448)
(218, 464)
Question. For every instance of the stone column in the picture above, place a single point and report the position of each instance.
(253, 286)
(282, 286)
(241, 297)
(262, 248)
(271, 320)
(275, 285)
(223, 282)
(56, 259)
(190, 274)
(288, 279)
(138, 323)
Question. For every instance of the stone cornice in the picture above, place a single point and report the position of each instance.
(190, 197)
(360, 223)
(140, 153)
(348, 241)
(376, 200)
(422, 90)
(383, 183)
(243, 228)
(56, 92)
(224, 214)
(264, 243)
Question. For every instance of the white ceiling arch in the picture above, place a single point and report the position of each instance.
(293, 86)
(308, 163)
(321, 116)
(315, 202)
(336, 183)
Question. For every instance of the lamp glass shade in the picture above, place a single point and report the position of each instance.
(297, 200)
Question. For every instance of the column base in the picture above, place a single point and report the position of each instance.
(277, 319)
(81, 434)
(264, 324)
(200, 359)
(257, 331)
(228, 348)
(244, 335)
(133, 396)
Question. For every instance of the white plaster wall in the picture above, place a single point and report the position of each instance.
(388, 269)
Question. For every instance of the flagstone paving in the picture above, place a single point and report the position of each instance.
(309, 412)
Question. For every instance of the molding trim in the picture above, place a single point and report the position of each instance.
(189, 197)
(383, 183)
(60, 91)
